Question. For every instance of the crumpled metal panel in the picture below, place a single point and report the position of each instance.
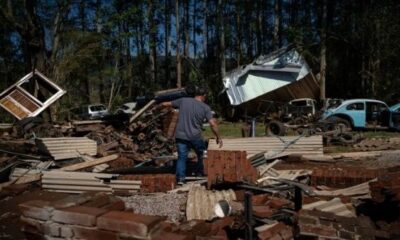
(267, 73)
(201, 202)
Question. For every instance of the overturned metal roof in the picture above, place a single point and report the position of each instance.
(271, 77)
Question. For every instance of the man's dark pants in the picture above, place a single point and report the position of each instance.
(183, 148)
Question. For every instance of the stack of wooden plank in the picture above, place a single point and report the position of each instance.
(78, 182)
(67, 147)
(273, 146)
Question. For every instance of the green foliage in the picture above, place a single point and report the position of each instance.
(109, 46)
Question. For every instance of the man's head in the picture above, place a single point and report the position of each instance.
(201, 90)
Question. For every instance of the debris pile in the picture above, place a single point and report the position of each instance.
(256, 188)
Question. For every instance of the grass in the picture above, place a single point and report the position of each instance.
(232, 130)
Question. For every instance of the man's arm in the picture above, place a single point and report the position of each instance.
(166, 104)
(214, 127)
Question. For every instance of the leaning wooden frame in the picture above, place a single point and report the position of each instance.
(31, 95)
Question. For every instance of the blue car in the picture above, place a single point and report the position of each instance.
(364, 114)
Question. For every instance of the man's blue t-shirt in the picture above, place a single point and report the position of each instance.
(191, 116)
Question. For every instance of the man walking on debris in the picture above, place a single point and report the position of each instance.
(192, 113)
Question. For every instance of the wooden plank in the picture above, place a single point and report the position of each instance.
(79, 188)
(72, 182)
(141, 111)
(29, 178)
(83, 165)
(77, 175)
(117, 187)
(64, 191)
(121, 182)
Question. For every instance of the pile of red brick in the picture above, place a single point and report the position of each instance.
(386, 187)
(152, 183)
(317, 223)
(102, 216)
(276, 231)
(342, 177)
(229, 167)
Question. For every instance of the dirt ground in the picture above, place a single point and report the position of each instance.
(10, 226)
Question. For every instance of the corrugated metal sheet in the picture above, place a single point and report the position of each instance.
(268, 74)
(335, 206)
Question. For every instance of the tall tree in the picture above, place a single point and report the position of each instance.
(205, 29)
(277, 41)
(221, 38)
(322, 71)
(153, 41)
(178, 57)
(167, 26)
(239, 12)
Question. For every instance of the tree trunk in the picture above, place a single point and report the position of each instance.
(239, 33)
(259, 28)
(323, 30)
(194, 30)
(153, 43)
(166, 40)
(205, 30)
(277, 25)
(187, 30)
(221, 38)
(178, 57)
(249, 32)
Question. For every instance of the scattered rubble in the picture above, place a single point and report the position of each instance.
(119, 173)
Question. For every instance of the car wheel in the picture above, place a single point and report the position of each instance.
(275, 128)
(343, 124)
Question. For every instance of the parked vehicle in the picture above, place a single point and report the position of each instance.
(90, 112)
(297, 112)
(364, 114)
(128, 108)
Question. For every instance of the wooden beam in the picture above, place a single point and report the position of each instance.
(141, 111)
(83, 165)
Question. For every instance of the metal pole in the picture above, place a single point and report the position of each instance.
(253, 127)
(248, 215)
(298, 201)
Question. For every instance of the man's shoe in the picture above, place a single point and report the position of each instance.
(180, 182)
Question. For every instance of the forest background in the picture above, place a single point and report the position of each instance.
(111, 51)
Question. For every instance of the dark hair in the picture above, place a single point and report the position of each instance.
(201, 90)
(190, 90)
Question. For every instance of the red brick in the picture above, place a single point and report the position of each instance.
(92, 233)
(262, 211)
(196, 228)
(259, 199)
(72, 200)
(229, 166)
(264, 235)
(171, 236)
(79, 215)
(220, 224)
(66, 231)
(116, 205)
(277, 203)
(98, 201)
(52, 229)
(286, 233)
(128, 222)
(272, 231)
(32, 225)
(305, 219)
(35, 209)
(317, 230)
